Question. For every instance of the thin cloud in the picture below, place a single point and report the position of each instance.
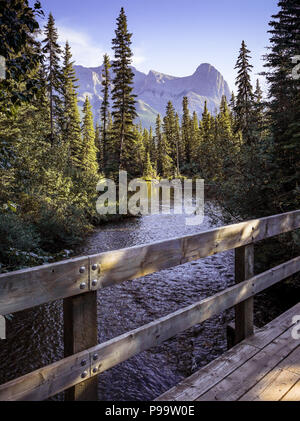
(84, 50)
(138, 57)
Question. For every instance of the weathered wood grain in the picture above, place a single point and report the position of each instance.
(129, 344)
(47, 381)
(213, 373)
(244, 269)
(125, 346)
(236, 385)
(80, 333)
(121, 265)
(293, 395)
(31, 287)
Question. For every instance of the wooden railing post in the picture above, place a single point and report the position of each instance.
(80, 333)
(244, 269)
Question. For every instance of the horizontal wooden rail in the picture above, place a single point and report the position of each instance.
(31, 287)
(61, 375)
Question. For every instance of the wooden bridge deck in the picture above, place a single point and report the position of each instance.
(263, 367)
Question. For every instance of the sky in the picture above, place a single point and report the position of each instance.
(169, 36)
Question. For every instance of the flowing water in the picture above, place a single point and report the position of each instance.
(35, 337)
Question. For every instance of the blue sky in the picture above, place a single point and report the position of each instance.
(170, 36)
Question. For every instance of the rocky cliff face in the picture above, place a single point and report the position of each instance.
(156, 89)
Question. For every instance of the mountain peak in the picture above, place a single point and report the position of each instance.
(155, 89)
(205, 68)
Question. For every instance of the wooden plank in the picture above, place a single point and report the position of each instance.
(273, 329)
(31, 287)
(238, 383)
(210, 375)
(292, 362)
(273, 387)
(129, 344)
(47, 381)
(80, 333)
(190, 388)
(277, 384)
(244, 269)
(131, 263)
(293, 395)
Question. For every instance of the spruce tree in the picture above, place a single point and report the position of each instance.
(285, 101)
(152, 148)
(53, 51)
(149, 171)
(146, 141)
(164, 161)
(169, 130)
(70, 117)
(178, 145)
(195, 136)
(124, 111)
(259, 113)
(99, 146)
(206, 124)
(89, 162)
(186, 132)
(244, 99)
(21, 51)
(224, 121)
(205, 151)
(105, 104)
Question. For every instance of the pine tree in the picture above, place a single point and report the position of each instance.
(69, 120)
(205, 152)
(195, 136)
(178, 145)
(146, 142)
(149, 171)
(105, 104)
(186, 135)
(224, 121)
(285, 101)
(53, 51)
(136, 154)
(232, 112)
(206, 124)
(22, 53)
(153, 149)
(164, 161)
(244, 99)
(99, 146)
(169, 130)
(124, 111)
(259, 111)
(89, 151)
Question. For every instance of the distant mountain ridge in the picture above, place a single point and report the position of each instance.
(155, 89)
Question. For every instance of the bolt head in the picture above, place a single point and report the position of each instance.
(84, 374)
(95, 370)
(95, 357)
(82, 269)
(82, 285)
(94, 266)
(94, 283)
(83, 363)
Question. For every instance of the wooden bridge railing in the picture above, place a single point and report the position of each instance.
(77, 281)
